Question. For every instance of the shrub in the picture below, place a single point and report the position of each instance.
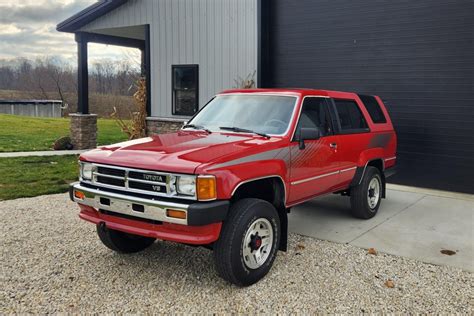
(63, 143)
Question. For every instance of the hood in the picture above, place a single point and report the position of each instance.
(180, 152)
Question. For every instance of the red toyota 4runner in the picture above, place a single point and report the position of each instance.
(229, 177)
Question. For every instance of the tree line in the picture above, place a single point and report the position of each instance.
(52, 78)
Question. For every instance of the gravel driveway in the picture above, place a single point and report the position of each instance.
(53, 262)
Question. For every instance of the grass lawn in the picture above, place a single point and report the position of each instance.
(24, 133)
(32, 176)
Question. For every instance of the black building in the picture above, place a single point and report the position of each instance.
(418, 56)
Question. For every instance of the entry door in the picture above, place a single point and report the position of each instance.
(314, 169)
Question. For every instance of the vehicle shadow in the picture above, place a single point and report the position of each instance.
(332, 205)
(164, 261)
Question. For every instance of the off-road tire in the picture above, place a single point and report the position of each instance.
(122, 242)
(360, 207)
(228, 250)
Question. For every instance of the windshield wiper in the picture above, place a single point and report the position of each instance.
(243, 130)
(198, 127)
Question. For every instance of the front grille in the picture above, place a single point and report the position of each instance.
(111, 181)
(139, 181)
(147, 186)
(111, 172)
(146, 176)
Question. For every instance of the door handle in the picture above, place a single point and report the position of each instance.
(333, 145)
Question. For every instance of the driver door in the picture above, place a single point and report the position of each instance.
(314, 169)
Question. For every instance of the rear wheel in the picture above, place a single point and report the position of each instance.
(122, 242)
(366, 197)
(248, 243)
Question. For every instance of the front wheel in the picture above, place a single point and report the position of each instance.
(122, 242)
(248, 243)
(366, 197)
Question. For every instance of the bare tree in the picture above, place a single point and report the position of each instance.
(7, 78)
(51, 77)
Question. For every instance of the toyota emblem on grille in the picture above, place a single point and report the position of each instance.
(152, 177)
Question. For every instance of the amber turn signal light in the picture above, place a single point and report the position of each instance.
(176, 214)
(206, 188)
(79, 195)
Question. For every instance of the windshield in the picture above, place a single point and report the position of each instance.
(268, 114)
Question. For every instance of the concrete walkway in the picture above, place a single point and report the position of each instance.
(411, 222)
(41, 153)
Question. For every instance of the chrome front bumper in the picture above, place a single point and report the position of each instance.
(129, 205)
(197, 213)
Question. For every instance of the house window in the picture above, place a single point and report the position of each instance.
(185, 89)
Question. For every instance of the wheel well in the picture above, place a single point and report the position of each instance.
(377, 163)
(268, 189)
(273, 191)
(360, 172)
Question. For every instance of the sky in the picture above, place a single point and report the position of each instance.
(28, 29)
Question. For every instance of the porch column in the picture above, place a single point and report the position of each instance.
(83, 128)
(142, 63)
(82, 75)
(147, 68)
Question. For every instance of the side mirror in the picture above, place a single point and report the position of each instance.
(308, 133)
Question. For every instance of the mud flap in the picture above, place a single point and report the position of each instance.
(283, 214)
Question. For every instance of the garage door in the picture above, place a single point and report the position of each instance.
(417, 55)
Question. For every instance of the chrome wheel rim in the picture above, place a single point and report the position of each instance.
(373, 193)
(257, 244)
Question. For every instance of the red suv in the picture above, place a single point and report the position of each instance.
(229, 177)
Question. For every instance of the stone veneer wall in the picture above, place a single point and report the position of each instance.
(83, 130)
(163, 125)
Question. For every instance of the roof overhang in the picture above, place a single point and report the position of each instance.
(88, 15)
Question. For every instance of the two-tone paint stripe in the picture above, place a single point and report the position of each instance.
(280, 154)
(380, 140)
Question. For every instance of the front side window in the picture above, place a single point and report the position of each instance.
(314, 114)
(350, 116)
(185, 89)
(269, 114)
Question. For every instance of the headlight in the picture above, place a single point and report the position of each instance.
(186, 185)
(86, 171)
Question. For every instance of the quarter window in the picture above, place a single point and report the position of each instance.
(350, 116)
(185, 89)
(314, 115)
(373, 107)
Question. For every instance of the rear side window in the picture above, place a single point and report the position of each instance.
(350, 116)
(373, 107)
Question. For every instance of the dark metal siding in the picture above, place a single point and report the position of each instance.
(418, 56)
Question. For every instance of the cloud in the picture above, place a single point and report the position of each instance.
(28, 29)
(40, 11)
(9, 29)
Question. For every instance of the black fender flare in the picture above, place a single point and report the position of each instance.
(360, 172)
